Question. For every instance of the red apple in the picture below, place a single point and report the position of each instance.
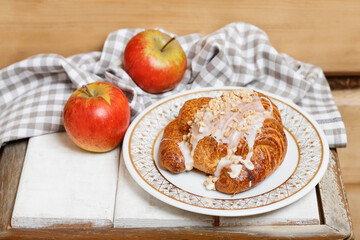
(97, 116)
(155, 61)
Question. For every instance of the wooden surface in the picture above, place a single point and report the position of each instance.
(11, 163)
(64, 186)
(338, 82)
(228, 233)
(324, 33)
(335, 222)
(302, 212)
(353, 195)
(348, 102)
(144, 210)
(333, 198)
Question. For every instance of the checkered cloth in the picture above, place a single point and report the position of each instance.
(34, 91)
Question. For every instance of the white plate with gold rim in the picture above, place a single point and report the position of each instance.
(304, 165)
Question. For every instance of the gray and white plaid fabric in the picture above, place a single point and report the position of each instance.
(34, 91)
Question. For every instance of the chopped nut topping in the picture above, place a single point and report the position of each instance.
(242, 128)
(235, 160)
(226, 109)
(248, 121)
(199, 114)
(230, 153)
(249, 99)
(201, 129)
(226, 94)
(192, 137)
(227, 99)
(249, 113)
(209, 182)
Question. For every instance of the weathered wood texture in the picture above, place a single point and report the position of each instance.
(324, 33)
(352, 191)
(11, 162)
(348, 102)
(252, 232)
(63, 186)
(333, 198)
(302, 212)
(350, 82)
(334, 208)
(145, 211)
(58, 189)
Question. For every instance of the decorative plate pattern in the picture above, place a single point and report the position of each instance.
(140, 155)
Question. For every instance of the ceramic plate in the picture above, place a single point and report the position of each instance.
(304, 164)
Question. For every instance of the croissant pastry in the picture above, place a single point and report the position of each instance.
(237, 138)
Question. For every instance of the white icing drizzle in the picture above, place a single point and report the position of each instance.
(223, 163)
(227, 118)
(210, 186)
(234, 165)
(234, 115)
(185, 150)
(235, 170)
(247, 161)
(210, 182)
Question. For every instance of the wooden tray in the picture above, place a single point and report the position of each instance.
(335, 220)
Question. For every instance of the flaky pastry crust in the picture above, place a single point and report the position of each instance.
(260, 146)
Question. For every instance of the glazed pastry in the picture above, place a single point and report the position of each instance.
(237, 138)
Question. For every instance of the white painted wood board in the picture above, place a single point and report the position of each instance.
(304, 211)
(136, 208)
(62, 185)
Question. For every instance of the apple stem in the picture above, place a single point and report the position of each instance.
(87, 91)
(171, 39)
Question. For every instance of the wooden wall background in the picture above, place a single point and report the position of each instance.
(322, 32)
(325, 33)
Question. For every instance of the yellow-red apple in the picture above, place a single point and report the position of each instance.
(97, 116)
(155, 61)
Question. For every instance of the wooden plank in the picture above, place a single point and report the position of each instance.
(63, 186)
(11, 162)
(250, 232)
(352, 192)
(324, 33)
(270, 232)
(135, 208)
(348, 102)
(334, 203)
(302, 212)
(337, 83)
